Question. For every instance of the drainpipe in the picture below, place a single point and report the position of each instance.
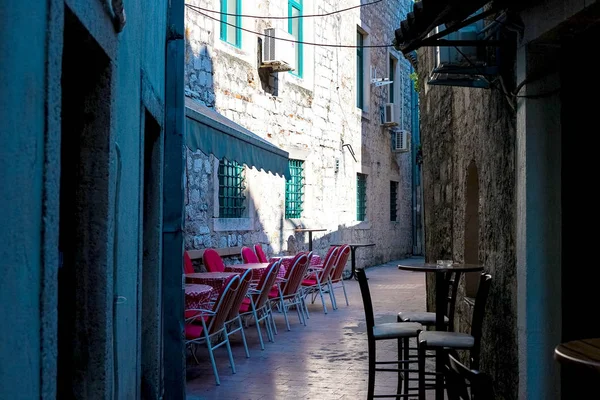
(172, 225)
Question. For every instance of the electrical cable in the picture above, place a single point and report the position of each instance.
(294, 41)
(290, 17)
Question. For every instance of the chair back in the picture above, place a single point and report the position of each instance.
(459, 378)
(366, 297)
(266, 282)
(328, 266)
(296, 274)
(328, 254)
(249, 256)
(213, 261)
(288, 271)
(223, 304)
(188, 266)
(340, 263)
(478, 314)
(240, 295)
(262, 257)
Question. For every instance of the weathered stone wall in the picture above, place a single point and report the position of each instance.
(310, 117)
(458, 126)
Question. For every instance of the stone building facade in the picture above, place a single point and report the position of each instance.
(315, 118)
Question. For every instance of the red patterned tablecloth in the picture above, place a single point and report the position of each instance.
(286, 262)
(258, 269)
(214, 279)
(198, 296)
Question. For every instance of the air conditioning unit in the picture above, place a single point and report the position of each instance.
(400, 140)
(390, 115)
(278, 55)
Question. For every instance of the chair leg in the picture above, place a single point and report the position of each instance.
(421, 359)
(244, 336)
(272, 318)
(284, 309)
(400, 366)
(406, 357)
(322, 299)
(332, 296)
(345, 295)
(260, 338)
(372, 359)
(230, 353)
(212, 360)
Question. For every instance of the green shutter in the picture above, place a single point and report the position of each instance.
(294, 190)
(295, 27)
(361, 197)
(231, 189)
(359, 71)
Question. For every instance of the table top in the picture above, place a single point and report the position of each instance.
(309, 229)
(211, 275)
(582, 352)
(248, 266)
(354, 244)
(194, 288)
(442, 268)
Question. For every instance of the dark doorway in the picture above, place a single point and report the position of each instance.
(151, 262)
(83, 304)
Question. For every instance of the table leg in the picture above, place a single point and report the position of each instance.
(309, 241)
(441, 293)
(352, 263)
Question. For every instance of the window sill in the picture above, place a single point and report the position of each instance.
(232, 224)
(365, 115)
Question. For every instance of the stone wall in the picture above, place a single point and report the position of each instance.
(460, 126)
(311, 117)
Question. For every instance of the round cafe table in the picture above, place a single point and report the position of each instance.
(584, 352)
(353, 247)
(214, 279)
(441, 294)
(258, 269)
(198, 297)
(286, 262)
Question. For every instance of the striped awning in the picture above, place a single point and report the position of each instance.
(212, 133)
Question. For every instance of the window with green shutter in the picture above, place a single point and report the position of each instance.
(360, 71)
(393, 201)
(294, 190)
(361, 197)
(295, 28)
(232, 200)
(392, 86)
(231, 24)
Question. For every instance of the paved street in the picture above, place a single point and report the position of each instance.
(327, 359)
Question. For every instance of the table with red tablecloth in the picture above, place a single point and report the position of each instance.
(198, 296)
(214, 279)
(286, 262)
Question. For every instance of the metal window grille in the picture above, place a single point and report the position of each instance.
(361, 197)
(359, 71)
(294, 190)
(393, 201)
(231, 189)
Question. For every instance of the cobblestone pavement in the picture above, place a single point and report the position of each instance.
(325, 360)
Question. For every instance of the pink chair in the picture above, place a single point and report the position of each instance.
(188, 266)
(260, 253)
(257, 304)
(318, 281)
(234, 320)
(213, 261)
(290, 292)
(208, 326)
(336, 275)
(249, 256)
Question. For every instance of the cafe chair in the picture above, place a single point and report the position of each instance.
(336, 279)
(451, 280)
(262, 257)
(289, 292)
(446, 341)
(234, 320)
(400, 331)
(317, 282)
(249, 256)
(188, 266)
(463, 383)
(208, 326)
(213, 261)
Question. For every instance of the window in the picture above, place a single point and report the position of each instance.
(295, 28)
(393, 201)
(360, 71)
(294, 190)
(231, 189)
(230, 24)
(361, 197)
(392, 86)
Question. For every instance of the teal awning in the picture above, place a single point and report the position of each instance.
(210, 132)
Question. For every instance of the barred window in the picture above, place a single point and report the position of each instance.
(393, 201)
(361, 197)
(294, 190)
(231, 189)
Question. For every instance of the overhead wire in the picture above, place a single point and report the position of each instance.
(289, 40)
(288, 17)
